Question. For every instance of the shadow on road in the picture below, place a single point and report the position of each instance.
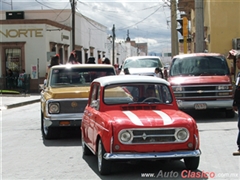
(69, 137)
(147, 170)
(205, 116)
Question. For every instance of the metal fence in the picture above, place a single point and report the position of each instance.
(11, 83)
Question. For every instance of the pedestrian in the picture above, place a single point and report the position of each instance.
(158, 72)
(91, 60)
(126, 71)
(106, 61)
(236, 103)
(55, 60)
(73, 59)
(21, 78)
(10, 79)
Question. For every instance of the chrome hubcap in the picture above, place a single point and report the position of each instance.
(99, 155)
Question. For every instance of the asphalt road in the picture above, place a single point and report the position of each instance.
(26, 155)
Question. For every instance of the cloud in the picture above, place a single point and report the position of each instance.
(144, 20)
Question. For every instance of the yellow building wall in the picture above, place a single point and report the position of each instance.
(222, 19)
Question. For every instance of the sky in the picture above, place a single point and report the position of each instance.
(146, 21)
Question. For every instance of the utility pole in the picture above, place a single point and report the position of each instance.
(174, 35)
(113, 40)
(199, 26)
(73, 23)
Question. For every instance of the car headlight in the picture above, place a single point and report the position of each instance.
(125, 136)
(177, 88)
(182, 134)
(54, 108)
(223, 87)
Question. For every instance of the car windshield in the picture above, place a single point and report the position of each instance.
(195, 66)
(142, 63)
(137, 93)
(77, 76)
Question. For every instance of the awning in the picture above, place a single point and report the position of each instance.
(233, 53)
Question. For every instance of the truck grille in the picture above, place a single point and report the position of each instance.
(206, 91)
(72, 106)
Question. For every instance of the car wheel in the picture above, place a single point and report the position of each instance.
(230, 113)
(104, 166)
(49, 132)
(192, 163)
(85, 150)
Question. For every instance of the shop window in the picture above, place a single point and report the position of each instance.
(13, 60)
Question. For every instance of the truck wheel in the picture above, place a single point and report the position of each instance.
(230, 113)
(104, 166)
(49, 132)
(85, 150)
(192, 163)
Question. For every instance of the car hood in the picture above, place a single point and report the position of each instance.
(149, 118)
(67, 92)
(194, 80)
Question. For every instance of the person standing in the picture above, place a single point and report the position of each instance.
(73, 59)
(158, 72)
(236, 103)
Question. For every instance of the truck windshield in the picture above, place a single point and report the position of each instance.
(77, 76)
(142, 63)
(199, 65)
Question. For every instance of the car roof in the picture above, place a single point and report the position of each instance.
(142, 57)
(197, 54)
(63, 66)
(115, 79)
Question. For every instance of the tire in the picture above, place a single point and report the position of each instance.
(49, 132)
(230, 113)
(85, 150)
(192, 163)
(104, 166)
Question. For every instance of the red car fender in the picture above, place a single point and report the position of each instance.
(196, 135)
(105, 134)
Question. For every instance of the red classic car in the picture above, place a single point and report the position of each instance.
(137, 118)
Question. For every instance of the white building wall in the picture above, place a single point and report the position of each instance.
(36, 42)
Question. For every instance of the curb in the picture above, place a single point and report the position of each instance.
(21, 103)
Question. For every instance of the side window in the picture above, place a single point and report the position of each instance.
(166, 95)
(94, 103)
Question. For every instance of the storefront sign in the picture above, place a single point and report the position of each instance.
(13, 33)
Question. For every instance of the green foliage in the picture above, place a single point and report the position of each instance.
(9, 92)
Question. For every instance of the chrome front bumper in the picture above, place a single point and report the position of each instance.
(157, 155)
(218, 104)
(53, 121)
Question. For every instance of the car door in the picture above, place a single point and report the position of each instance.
(93, 111)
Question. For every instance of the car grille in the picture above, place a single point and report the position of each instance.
(72, 106)
(148, 136)
(199, 92)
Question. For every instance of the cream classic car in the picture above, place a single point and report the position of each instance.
(65, 95)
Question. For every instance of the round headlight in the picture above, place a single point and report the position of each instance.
(53, 108)
(182, 135)
(125, 136)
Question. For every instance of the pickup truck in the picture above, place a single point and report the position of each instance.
(65, 95)
(202, 81)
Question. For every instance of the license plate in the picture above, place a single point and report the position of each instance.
(200, 106)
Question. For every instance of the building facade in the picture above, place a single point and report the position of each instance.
(221, 24)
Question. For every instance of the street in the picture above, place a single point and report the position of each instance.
(25, 155)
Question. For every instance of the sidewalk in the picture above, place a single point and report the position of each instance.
(8, 101)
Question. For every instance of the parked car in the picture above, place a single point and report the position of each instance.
(202, 81)
(66, 94)
(142, 65)
(137, 118)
